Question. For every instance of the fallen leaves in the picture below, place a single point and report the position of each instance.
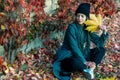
(111, 78)
(37, 65)
(1, 61)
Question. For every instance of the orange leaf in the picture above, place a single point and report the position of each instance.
(1, 60)
(7, 8)
(13, 8)
(22, 2)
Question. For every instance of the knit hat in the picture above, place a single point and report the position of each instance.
(83, 8)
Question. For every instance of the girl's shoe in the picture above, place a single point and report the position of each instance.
(89, 74)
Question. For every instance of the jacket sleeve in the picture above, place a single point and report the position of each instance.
(99, 40)
(72, 41)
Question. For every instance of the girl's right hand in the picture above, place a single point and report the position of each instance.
(103, 28)
(91, 64)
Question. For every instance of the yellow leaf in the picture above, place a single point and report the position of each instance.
(6, 67)
(99, 17)
(5, 63)
(3, 27)
(93, 22)
(119, 66)
(110, 66)
(2, 14)
(7, 70)
(45, 78)
(77, 79)
(32, 72)
(93, 17)
(91, 28)
(111, 78)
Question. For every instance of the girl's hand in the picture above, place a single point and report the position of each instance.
(91, 65)
(102, 27)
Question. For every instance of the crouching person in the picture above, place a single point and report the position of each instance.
(75, 53)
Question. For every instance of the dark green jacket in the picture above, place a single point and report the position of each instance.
(77, 44)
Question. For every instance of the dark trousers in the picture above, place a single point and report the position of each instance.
(75, 64)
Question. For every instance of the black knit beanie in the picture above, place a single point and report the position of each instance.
(83, 8)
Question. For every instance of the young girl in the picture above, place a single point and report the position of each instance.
(75, 53)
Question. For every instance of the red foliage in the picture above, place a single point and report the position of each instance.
(105, 7)
(1, 61)
(64, 15)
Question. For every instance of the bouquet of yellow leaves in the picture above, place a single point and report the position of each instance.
(94, 22)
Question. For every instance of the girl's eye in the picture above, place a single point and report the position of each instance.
(82, 16)
(78, 15)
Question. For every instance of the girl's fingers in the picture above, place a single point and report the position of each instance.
(103, 27)
(90, 64)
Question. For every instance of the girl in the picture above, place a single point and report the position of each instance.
(75, 53)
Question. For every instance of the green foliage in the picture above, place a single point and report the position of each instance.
(2, 51)
(11, 56)
(23, 67)
(36, 43)
(1, 6)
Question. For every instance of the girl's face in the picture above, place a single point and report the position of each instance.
(81, 18)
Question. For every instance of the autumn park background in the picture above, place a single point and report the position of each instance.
(32, 30)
